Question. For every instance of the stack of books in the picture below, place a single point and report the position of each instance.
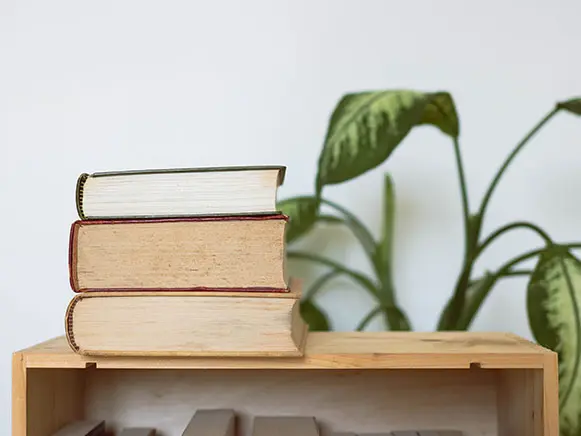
(183, 262)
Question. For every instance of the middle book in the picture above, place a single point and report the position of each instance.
(245, 253)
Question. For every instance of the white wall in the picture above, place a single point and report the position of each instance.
(89, 86)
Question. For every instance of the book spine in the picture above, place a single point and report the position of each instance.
(79, 194)
(281, 176)
(69, 330)
(73, 257)
(73, 249)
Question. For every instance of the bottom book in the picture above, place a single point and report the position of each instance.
(200, 323)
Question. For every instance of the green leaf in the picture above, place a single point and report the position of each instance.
(573, 105)
(302, 213)
(314, 316)
(366, 127)
(554, 306)
(383, 260)
(385, 247)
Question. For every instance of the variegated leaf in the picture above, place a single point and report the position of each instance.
(554, 307)
(366, 127)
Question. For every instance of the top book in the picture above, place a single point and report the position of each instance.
(180, 192)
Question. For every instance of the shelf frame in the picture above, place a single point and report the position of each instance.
(527, 385)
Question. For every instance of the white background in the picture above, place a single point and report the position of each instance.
(89, 86)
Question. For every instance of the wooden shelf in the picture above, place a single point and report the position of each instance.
(486, 384)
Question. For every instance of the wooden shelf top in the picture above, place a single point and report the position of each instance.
(332, 350)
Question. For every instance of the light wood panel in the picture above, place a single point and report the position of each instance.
(520, 402)
(18, 395)
(551, 395)
(53, 398)
(337, 350)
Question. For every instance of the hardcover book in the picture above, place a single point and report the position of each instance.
(427, 433)
(179, 192)
(285, 426)
(82, 428)
(186, 323)
(217, 253)
(138, 431)
(212, 422)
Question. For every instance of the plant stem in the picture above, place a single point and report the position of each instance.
(358, 277)
(330, 219)
(482, 288)
(509, 160)
(529, 255)
(464, 192)
(368, 318)
(453, 311)
(357, 227)
(394, 317)
(511, 226)
(518, 272)
(477, 293)
(385, 293)
(320, 282)
(511, 273)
